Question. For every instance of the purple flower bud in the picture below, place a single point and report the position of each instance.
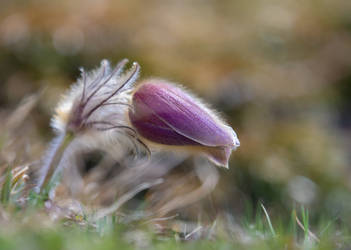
(164, 113)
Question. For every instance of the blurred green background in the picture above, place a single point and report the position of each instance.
(279, 72)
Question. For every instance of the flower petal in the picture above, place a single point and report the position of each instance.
(151, 127)
(183, 114)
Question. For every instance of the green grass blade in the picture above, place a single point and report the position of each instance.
(6, 188)
(269, 221)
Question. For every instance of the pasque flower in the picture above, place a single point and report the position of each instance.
(98, 105)
(166, 114)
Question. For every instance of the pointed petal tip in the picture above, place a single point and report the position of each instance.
(226, 166)
(219, 163)
(236, 143)
(219, 156)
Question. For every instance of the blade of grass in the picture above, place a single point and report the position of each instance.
(308, 233)
(258, 220)
(327, 226)
(293, 228)
(6, 187)
(18, 175)
(305, 221)
(269, 221)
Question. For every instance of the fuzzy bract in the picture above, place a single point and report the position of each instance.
(98, 100)
(95, 108)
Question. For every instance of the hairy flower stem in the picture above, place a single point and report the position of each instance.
(52, 160)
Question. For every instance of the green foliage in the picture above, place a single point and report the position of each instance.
(6, 187)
